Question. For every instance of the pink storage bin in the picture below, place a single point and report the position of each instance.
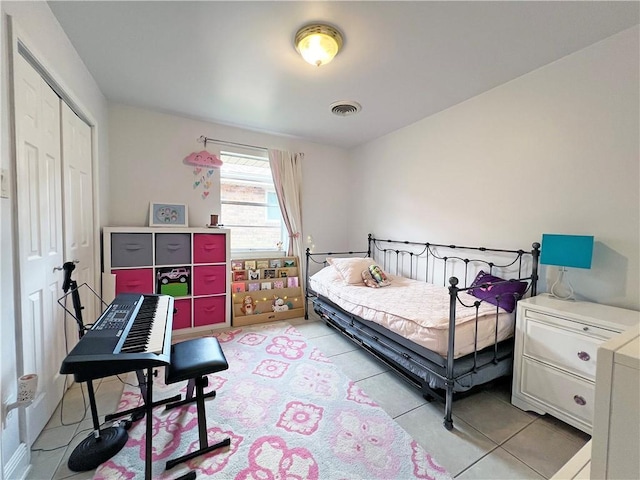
(138, 280)
(182, 317)
(209, 248)
(209, 279)
(209, 310)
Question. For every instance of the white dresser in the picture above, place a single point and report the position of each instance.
(556, 345)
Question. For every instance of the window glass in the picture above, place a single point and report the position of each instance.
(249, 204)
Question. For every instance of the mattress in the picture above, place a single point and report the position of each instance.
(417, 311)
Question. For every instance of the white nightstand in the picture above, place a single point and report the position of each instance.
(556, 343)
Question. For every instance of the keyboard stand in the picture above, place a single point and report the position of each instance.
(144, 388)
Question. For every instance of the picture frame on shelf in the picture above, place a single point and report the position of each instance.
(275, 263)
(262, 264)
(250, 265)
(168, 215)
(269, 273)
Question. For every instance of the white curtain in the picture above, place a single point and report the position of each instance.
(287, 179)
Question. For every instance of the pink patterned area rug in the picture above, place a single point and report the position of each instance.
(290, 414)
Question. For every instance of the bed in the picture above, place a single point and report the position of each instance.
(441, 315)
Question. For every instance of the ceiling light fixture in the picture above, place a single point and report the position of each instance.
(318, 43)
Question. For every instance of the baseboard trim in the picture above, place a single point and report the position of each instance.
(18, 465)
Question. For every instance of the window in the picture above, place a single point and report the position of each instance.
(249, 204)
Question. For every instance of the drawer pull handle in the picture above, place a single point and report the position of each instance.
(584, 356)
(579, 400)
(586, 329)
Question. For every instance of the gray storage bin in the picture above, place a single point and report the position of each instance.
(173, 248)
(131, 249)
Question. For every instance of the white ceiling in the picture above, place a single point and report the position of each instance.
(234, 62)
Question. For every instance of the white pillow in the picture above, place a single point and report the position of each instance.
(350, 269)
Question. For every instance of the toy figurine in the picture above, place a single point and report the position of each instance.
(247, 305)
(278, 304)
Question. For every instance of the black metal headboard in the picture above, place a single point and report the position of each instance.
(436, 263)
(439, 263)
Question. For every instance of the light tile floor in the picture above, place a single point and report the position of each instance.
(491, 438)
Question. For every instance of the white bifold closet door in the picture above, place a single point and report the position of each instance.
(79, 231)
(55, 224)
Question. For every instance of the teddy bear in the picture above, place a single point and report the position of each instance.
(278, 304)
(247, 305)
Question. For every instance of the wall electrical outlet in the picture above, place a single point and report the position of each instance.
(4, 183)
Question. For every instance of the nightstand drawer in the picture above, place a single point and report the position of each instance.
(562, 348)
(566, 393)
(570, 324)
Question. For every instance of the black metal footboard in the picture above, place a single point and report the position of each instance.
(427, 370)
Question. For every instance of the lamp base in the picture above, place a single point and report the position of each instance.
(559, 285)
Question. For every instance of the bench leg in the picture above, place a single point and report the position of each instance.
(200, 397)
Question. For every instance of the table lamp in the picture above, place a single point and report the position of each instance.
(573, 251)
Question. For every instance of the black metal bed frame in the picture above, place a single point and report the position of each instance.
(425, 261)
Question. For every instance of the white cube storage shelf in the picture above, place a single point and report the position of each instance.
(191, 264)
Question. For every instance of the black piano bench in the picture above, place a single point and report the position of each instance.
(192, 360)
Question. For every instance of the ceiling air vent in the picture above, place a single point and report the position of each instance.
(345, 108)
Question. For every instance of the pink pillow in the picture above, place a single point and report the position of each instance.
(350, 269)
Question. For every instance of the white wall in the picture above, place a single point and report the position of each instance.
(45, 38)
(554, 151)
(147, 149)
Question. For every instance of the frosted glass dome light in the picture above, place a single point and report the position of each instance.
(318, 44)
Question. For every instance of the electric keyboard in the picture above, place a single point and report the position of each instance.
(133, 333)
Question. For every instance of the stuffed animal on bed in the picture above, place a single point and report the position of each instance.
(374, 277)
(247, 305)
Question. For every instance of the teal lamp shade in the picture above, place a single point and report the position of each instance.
(567, 250)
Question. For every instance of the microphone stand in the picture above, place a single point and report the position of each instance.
(105, 443)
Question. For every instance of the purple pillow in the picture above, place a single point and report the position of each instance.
(503, 295)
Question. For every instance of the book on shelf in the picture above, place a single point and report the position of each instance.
(292, 282)
(250, 265)
(275, 263)
(265, 286)
(237, 265)
(239, 276)
(237, 287)
(278, 284)
(269, 273)
(253, 287)
(253, 274)
(289, 263)
(262, 264)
